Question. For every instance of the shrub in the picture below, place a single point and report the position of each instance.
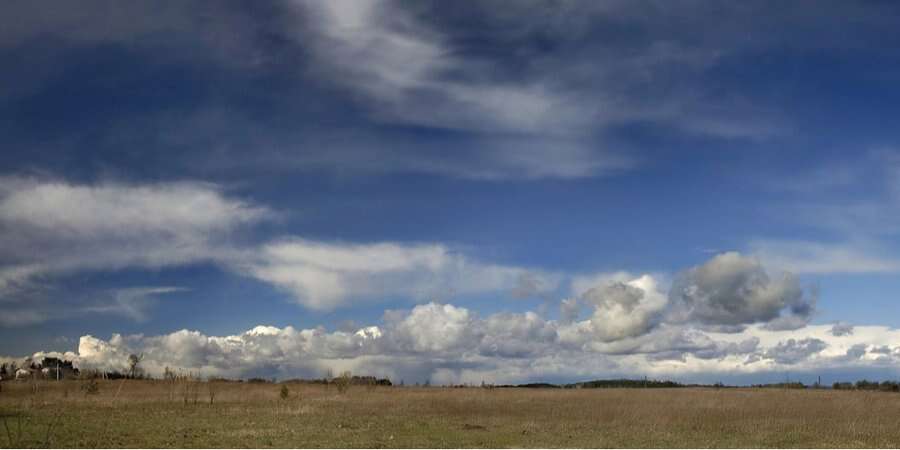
(285, 392)
(90, 386)
(343, 382)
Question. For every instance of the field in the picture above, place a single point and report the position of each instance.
(135, 413)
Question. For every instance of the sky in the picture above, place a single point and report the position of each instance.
(453, 192)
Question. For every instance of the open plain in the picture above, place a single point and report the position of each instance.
(144, 413)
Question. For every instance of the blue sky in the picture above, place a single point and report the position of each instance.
(688, 175)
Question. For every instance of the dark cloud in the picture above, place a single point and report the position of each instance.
(795, 351)
(857, 351)
(841, 329)
(733, 290)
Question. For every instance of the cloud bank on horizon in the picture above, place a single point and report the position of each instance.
(529, 191)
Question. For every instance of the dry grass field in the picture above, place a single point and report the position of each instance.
(138, 413)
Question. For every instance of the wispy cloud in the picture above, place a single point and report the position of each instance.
(324, 276)
(823, 257)
(55, 228)
(132, 303)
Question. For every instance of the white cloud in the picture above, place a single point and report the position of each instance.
(580, 284)
(436, 329)
(450, 344)
(132, 303)
(181, 210)
(841, 329)
(382, 51)
(409, 73)
(824, 258)
(325, 276)
(59, 228)
(56, 228)
(625, 309)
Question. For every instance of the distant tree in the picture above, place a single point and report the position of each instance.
(285, 392)
(133, 361)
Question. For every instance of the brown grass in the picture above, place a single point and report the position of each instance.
(144, 414)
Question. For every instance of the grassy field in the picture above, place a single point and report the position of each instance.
(138, 413)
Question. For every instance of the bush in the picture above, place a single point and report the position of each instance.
(90, 386)
(285, 392)
(343, 382)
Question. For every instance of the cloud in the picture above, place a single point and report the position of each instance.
(854, 200)
(451, 344)
(580, 284)
(530, 285)
(437, 329)
(56, 228)
(133, 303)
(512, 335)
(794, 351)
(569, 310)
(529, 112)
(841, 329)
(405, 72)
(625, 309)
(405, 67)
(725, 349)
(806, 257)
(325, 276)
(59, 228)
(533, 91)
(857, 351)
(732, 289)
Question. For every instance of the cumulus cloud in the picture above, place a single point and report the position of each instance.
(794, 351)
(569, 310)
(857, 351)
(733, 289)
(623, 310)
(451, 344)
(723, 349)
(437, 329)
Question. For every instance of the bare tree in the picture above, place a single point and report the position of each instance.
(133, 361)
